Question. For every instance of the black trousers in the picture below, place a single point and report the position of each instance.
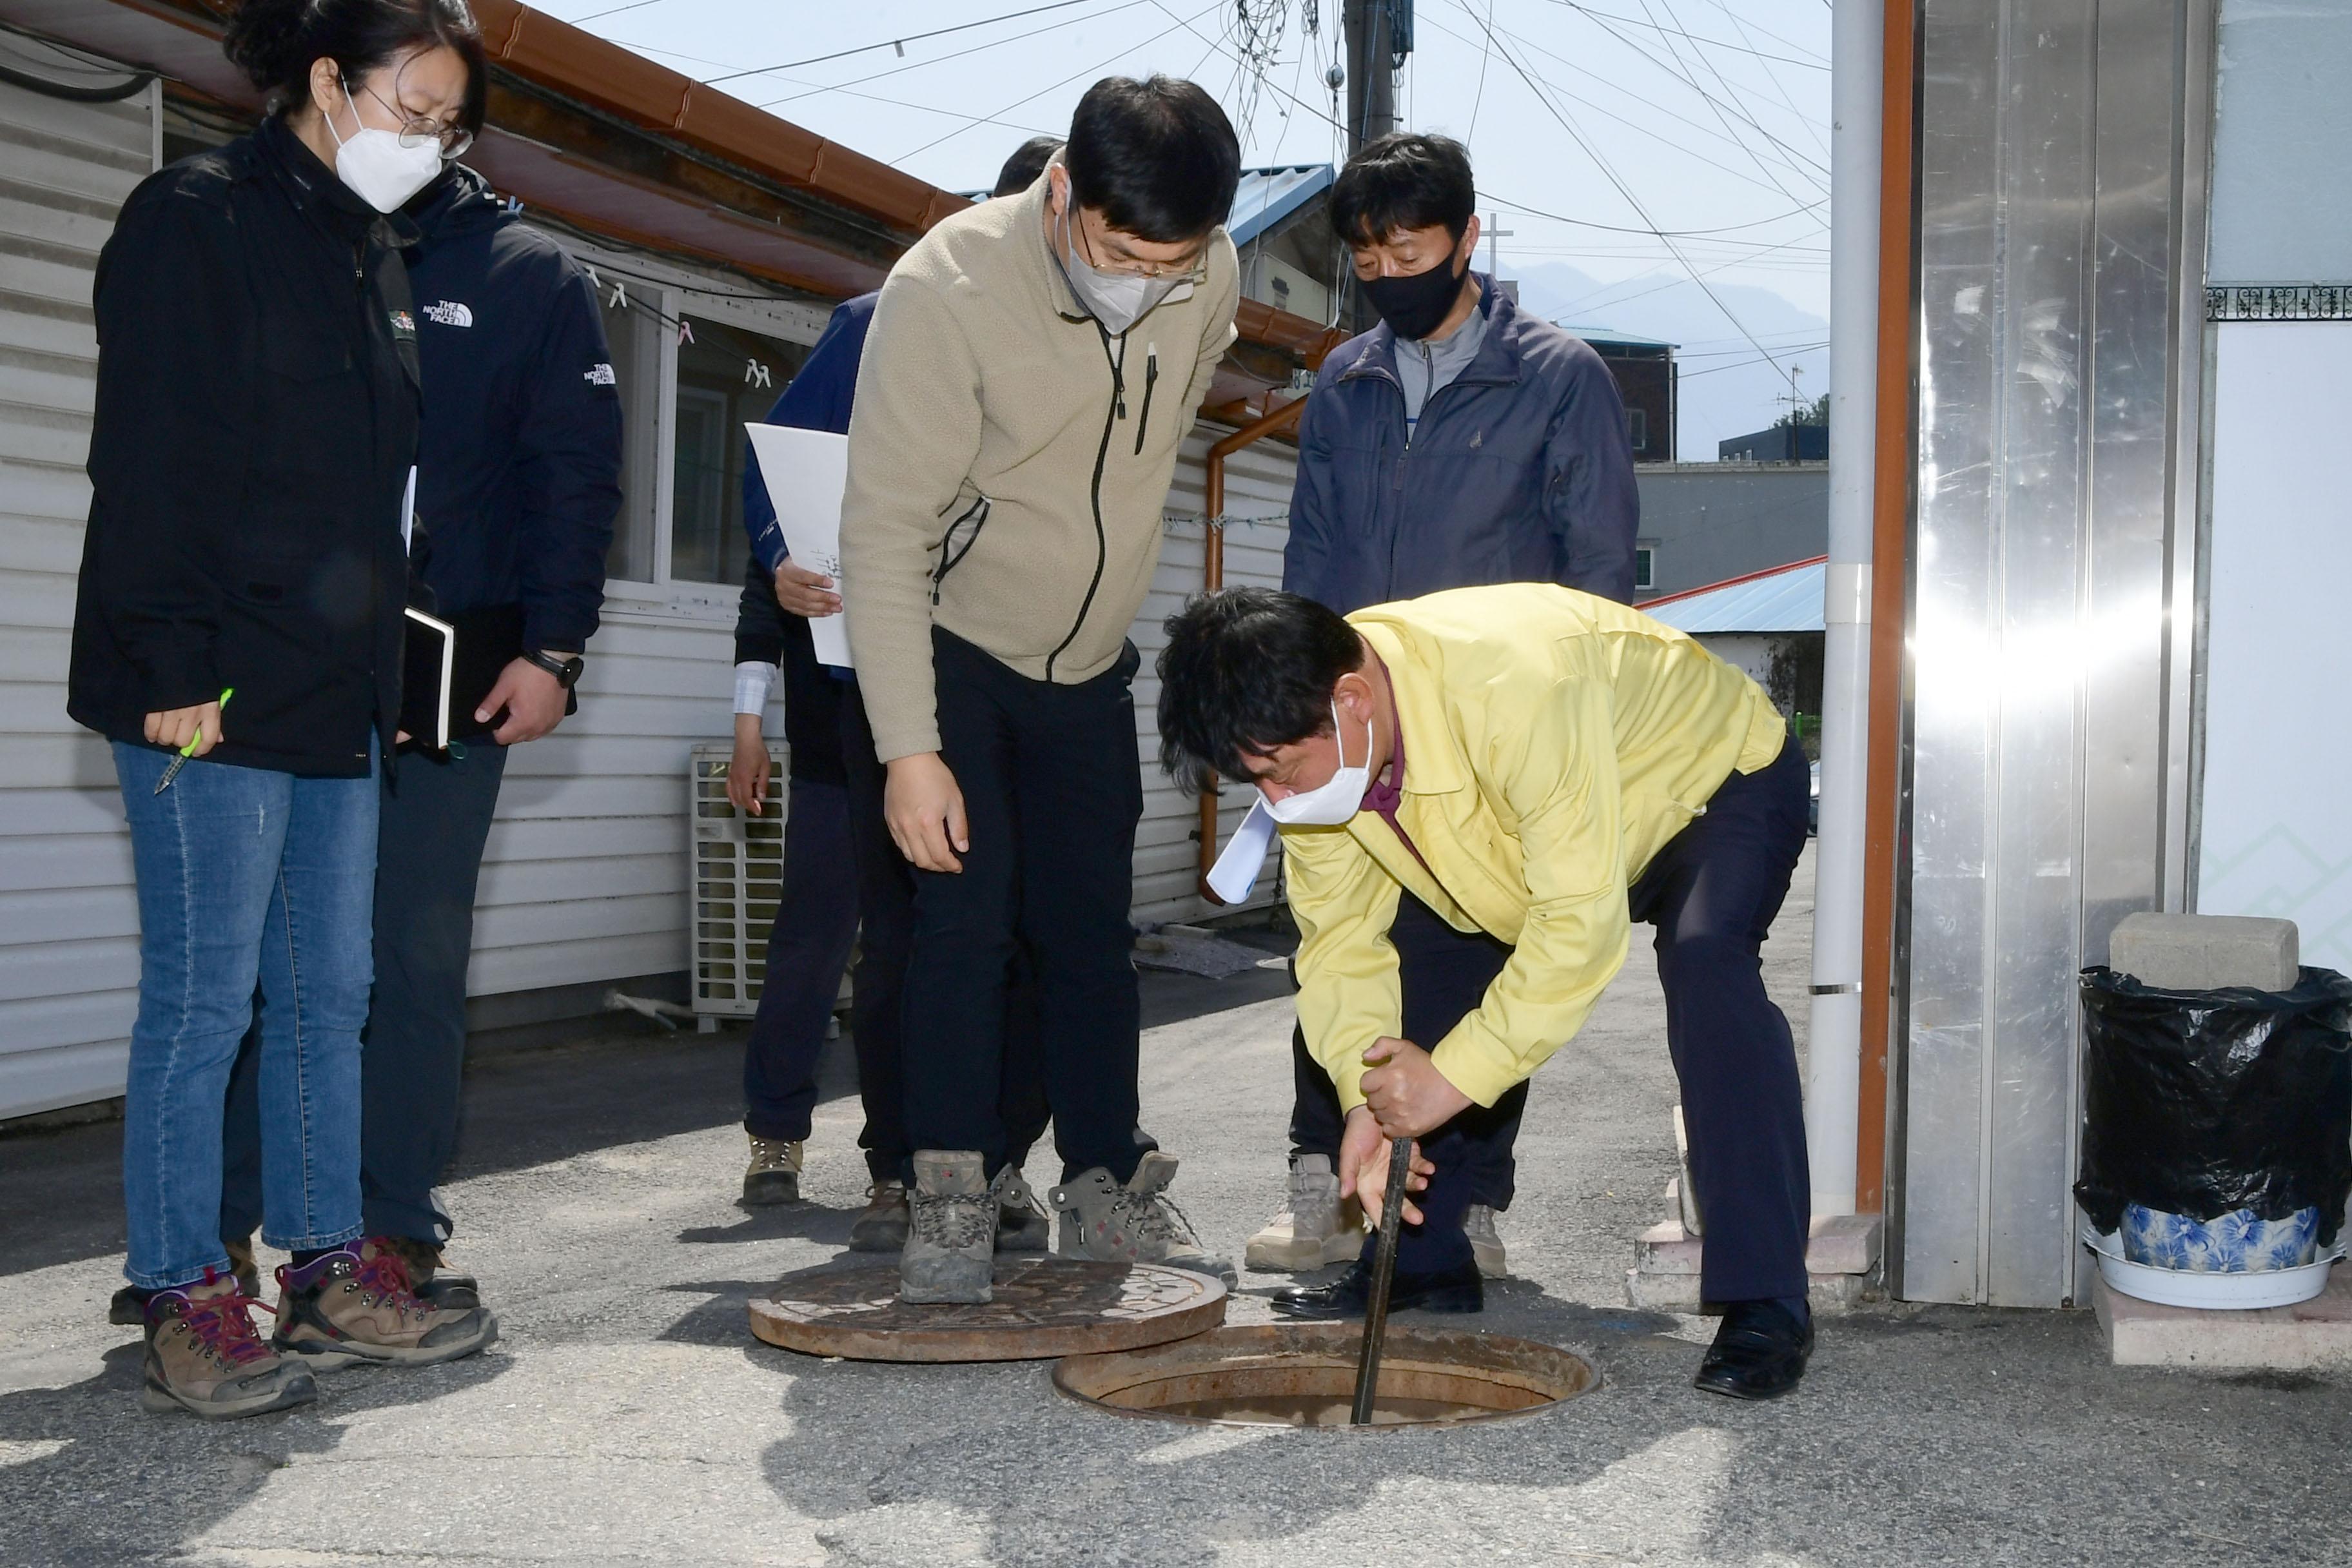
(1053, 789)
(886, 908)
(429, 842)
(808, 947)
(1711, 894)
(1442, 973)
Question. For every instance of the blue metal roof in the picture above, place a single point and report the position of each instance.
(1266, 196)
(1611, 335)
(1786, 600)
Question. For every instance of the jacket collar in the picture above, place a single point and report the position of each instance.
(1420, 713)
(1497, 360)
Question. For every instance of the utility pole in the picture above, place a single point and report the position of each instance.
(1371, 71)
(1378, 35)
(1495, 232)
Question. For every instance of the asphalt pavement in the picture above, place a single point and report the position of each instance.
(627, 1416)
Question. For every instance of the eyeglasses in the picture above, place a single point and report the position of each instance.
(416, 131)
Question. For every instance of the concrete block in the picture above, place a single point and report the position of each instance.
(2313, 1335)
(2206, 953)
(1840, 1260)
(1686, 1195)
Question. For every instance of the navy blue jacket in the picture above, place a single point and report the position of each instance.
(818, 398)
(1520, 470)
(518, 471)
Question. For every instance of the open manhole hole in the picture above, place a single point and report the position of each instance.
(1304, 1375)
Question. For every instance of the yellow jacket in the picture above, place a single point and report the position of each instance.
(1554, 741)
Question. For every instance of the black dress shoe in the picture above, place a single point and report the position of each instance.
(1444, 1290)
(1758, 1352)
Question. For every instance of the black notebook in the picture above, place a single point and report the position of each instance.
(449, 666)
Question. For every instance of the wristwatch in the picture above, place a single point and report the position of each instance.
(565, 667)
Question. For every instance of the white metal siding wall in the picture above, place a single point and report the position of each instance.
(1257, 509)
(69, 921)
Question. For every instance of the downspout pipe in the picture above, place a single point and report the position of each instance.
(1213, 577)
(1833, 1057)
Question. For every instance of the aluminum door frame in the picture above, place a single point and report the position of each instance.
(2060, 202)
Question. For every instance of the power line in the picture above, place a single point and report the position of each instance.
(1630, 200)
(1678, 30)
(1123, 51)
(900, 43)
(959, 54)
(845, 92)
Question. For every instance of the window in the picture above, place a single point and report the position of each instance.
(1637, 428)
(694, 364)
(727, 378)
(1645, 568)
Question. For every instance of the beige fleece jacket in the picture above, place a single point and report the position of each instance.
(1008, 466)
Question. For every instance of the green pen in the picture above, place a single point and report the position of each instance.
(190, 749)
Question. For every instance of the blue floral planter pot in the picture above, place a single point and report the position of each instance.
(2236, 1243)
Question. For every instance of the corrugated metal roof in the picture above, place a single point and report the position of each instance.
(1785, 599)
(1266, 196)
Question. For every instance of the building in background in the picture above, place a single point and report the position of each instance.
(721, 237)
(1645, 373)
(1768, 623)
(1789, 441)
(1703, 524)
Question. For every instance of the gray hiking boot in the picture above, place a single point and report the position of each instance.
(951, 1249)
(1316, 1228)
(1021, 1222)
(773, 1176)
(1486, 1241)
(1134, 1223)
(881, 1224)
(202, 1357)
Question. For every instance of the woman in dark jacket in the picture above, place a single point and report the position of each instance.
(240, 609)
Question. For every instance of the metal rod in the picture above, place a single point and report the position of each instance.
(1376, 1304)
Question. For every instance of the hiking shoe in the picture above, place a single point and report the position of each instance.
(1316, 1228)
(1486, 1241)
(203, 1355)
(1134, 1223)
(951, 1250)
(128, 1309)
(429, 1274)
(881, 1224)
(773, 1175)
(356, 1304)
(1021, 1222)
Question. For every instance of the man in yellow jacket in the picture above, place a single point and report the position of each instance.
(1573, 766)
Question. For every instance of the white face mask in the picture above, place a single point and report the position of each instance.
(1333, 802)
(378, 166)
(1116, 299)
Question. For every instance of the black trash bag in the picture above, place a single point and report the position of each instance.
(2205, 1102)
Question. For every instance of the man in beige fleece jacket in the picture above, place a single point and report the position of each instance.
(1033, 367)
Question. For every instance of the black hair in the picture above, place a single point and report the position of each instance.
(1028, 161)
(1246, 671)
(276, 42)
(1403, 181)
(1157, 159)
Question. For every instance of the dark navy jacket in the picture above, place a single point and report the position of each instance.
(818, 398)
(518, 466)
(1520, 470)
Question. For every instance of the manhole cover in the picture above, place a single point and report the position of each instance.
(1044, 1307)
(1304, 1375)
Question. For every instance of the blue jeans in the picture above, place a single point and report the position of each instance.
(248, 879)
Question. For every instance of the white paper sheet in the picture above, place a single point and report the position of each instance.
(1235, 873)
(805, 472)
(408, 512)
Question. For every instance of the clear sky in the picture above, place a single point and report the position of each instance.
(1591, 125)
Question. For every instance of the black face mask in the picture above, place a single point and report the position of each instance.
(1414, 304)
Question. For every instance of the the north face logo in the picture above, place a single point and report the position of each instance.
(449, 313)
(600, 376)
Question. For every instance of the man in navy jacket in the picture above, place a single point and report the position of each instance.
(835, 814)
(517, 483)
(1461, 442)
